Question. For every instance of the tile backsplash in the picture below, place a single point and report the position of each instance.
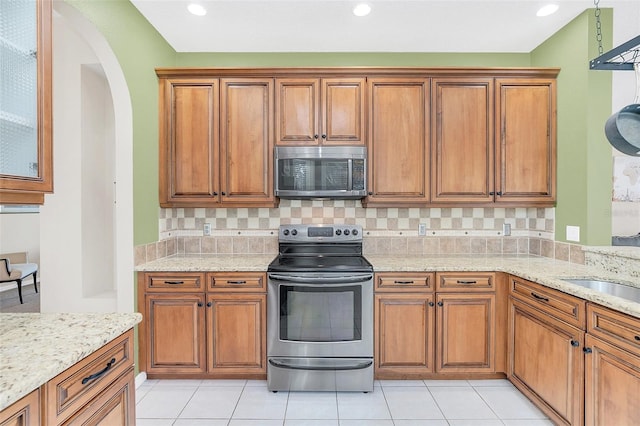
(386, 230)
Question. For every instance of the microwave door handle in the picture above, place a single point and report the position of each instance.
(350, 175)
(321, 280)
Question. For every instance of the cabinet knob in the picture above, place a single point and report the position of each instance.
(637, 338)
(215, 193)
(370, 193)
(492, 193)
(200, 304)
(209, 304)
(575, 343)
(224, 193)
(587, 350)
(324, 136)
(315, 136)
(431, 304)
(440, 304)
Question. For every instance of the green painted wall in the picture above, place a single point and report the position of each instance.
(584, 165)
(584, 104)
(139, 49)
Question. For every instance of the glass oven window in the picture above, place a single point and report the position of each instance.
(320, 314)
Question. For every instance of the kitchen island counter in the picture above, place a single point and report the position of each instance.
(34, 348)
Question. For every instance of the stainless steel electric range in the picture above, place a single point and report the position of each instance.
(320, 311)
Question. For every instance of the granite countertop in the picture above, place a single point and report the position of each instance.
(209, 263)
(534, 268)
(34, 348)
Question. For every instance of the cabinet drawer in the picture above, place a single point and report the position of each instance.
(174, 282)
(465, 282)
(410, 282)
(114, 406)
(24, 412)
(560, 305)
(240, 282)
(72, 389)
(614, 327)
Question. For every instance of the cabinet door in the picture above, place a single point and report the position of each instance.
(612, 385)
(236, 333)
(343, 110)
(175, 333)
(246, 141)
(404, 325)
(465, 333)
(297, 111)
(398, 142)
(462, 151)
(24, 412)
(26, 133)
(546, 362)
(526, 146)
(189, 142)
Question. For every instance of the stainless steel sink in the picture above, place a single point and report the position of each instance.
(615, 289)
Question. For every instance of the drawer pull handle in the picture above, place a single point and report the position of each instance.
(237, 282)
(99, 373)
(402, 282)
(544, 299)
(467, 282)
(174, 282)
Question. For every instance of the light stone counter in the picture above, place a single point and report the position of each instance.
(34, 348)
(537, 269)
(534, 268)
(209, 263)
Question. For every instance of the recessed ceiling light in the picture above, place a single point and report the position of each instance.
(547, 10)
(362, 9)
(197, 9)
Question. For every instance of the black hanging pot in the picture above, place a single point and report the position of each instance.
(623, 128)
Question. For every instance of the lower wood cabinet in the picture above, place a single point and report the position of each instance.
(465, 333)
(404, 325)
(99, 390)
(24, 412)
(444, 323)
(546, 362)
(612, 368)
(217, 332)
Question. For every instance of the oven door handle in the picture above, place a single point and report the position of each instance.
(356, 365)
(321, 280)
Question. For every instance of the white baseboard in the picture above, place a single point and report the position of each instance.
(140, 379)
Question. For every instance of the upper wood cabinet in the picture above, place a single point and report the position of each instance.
(216, 142)
(462, 153)
(26, 165)
(325, 111)
(398, 142)
(526, 141)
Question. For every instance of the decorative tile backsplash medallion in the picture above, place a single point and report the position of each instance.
(387, 230)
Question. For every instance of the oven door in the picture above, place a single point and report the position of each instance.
(320, 315)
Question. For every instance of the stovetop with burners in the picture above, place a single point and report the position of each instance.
(320, 248)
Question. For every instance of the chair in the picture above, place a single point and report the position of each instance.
(15, 267)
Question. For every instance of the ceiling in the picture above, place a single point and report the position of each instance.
(330, 26)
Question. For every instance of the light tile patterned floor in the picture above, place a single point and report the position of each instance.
(392, 403)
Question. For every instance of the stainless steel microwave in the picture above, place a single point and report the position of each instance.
(321, 172)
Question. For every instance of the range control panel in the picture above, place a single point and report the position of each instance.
(311, 233)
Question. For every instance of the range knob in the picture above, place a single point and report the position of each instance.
(346, 232)
(354, 232)
(338, 232)
(285, 232)
(294, 232)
